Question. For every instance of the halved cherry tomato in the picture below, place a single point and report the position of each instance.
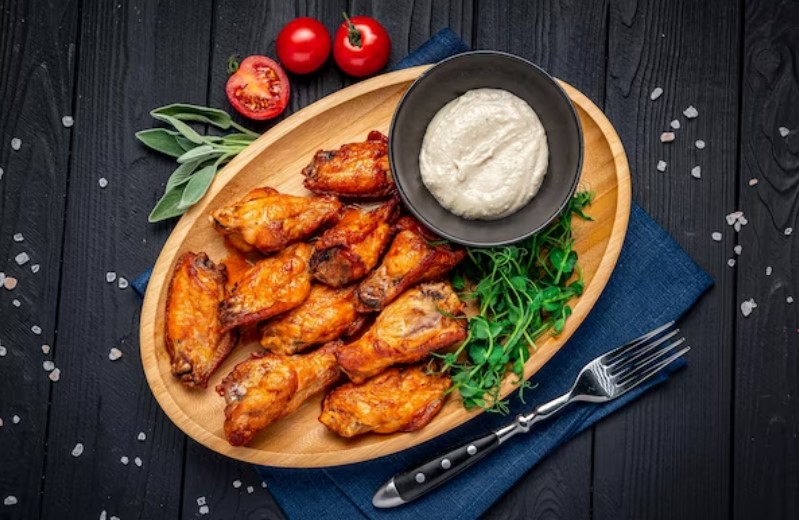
(303, 45)
(259, 89)
(361, 46)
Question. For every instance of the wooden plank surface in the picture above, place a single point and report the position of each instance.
(562, 38)
(128, 57)
(37, 52)
(766, 444)
(668, 455)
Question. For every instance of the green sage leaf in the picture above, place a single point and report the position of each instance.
(203, 152)
(187, 112)
(187, 131)
(181, 175)
(197, 186)
(167, 205)
(161, 140)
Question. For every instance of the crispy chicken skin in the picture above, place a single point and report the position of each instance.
(356, 170)
(326, 315)
(350, 249)
(266, 387)
(397, 400)
(193, 334)
(268, 220)
(414, 256)
(273, 285)
(417, 323)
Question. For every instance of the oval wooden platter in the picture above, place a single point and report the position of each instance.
(276, 160)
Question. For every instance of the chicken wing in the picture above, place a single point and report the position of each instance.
(398, 400)
(266, 387)
(268, 220)
(326, 315)
(193, 334)
(273, 285)
(424, 319)
(350, 249)
(415, 255)
(356, 170)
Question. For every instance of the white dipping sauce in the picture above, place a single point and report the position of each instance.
(484, 154)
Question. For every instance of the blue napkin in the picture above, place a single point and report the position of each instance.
(654, 281)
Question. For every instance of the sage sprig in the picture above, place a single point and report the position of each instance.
(199, 156)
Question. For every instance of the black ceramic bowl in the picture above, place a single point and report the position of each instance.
(453, 77)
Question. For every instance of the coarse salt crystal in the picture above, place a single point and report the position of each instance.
(716, 236)
(690, 112)
(696, 172)
(103, 514)
(10, 283)
(788, 231)
(18, 237)
(114, 517)
(675, 124)
(656, 93)
(45, 349)
(789, 299)
(137, 461)
(36, 329)
(103, 182)
(142, 437)
(738, 249)
(22, 258)
(1, 422)
(753, 182)
(204, 510)
(48, 365)
(34, 268)
(200, 501)
(16, 143)
(10, 500)
(237, 484)
(667, 137)
(3, 351)
(263, 484)
(743, 220)
(16, 303)
(731, 262)
(784, 131)
(122, 283)
(124, 460)
(700, 144)
(67, 121)
(77, 451)
(733, 217)
(737, 226)
(661, 166)
(250, 489)
(55, 375)
(1, 173)
(747, 306)
(110, 276)
(15, 419)
(114, 354)
(768, 270)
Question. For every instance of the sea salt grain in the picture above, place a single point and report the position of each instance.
(263, 484)
(716, 236)
(103, 182)
(48, 365)
(747, 306)
(789, 299)
(36, 329)
(753, 182)
(788, 231)
(784, 131)
(124, 460)
(250, 489)
(667, 137)
(204, 510)
(3, 351)
(34, 268)
(661, 166)
(731, 262)
(15, 419)
(18, 237)
(10, 500)
(1, 173)
(16, 143)
(696, 172)
(55, 375)
(237, 484)
(656, 93)
(16, 303)
(690, 112)
(9, 283)
(77, 451)
(22, 258)
(142, 437)
(110, 276)
(67, 121)
(114, 517)
(733, 217)
(700, 144)
(675, 124)
(768, 270)
(738, 249)
(103, 514)
(201, 501)
(114, 354)
(122, 283)
(137, 461)
(45, 349)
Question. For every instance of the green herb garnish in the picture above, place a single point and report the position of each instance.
(522, 291)
(199, 156)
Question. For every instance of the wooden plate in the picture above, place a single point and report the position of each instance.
(276, 160)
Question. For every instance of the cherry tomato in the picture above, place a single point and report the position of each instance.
(259, 89)
(303, 45)
(361, 46)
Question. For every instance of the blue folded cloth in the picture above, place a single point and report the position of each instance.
(654, 281)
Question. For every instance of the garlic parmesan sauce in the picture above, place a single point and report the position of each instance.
(484, 155)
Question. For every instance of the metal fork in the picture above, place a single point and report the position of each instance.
(603, 379)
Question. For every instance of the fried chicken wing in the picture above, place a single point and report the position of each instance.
(266, 387)
(422, 320)
(356, 170)
(326, 315)
(398, 400)
(415, 255)
(350, 249)
(273, 285)
(193, 334)
(268, 220)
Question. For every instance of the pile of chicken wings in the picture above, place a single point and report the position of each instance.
(346, 300)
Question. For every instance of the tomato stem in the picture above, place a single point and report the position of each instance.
(354, 35)
(233, 64)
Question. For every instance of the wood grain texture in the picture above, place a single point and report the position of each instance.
(567, 39)
(668, 455)
(127, 66)
(37, 53)
(276, 159)
(766, 425)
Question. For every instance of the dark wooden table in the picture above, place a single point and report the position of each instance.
(719, 441)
